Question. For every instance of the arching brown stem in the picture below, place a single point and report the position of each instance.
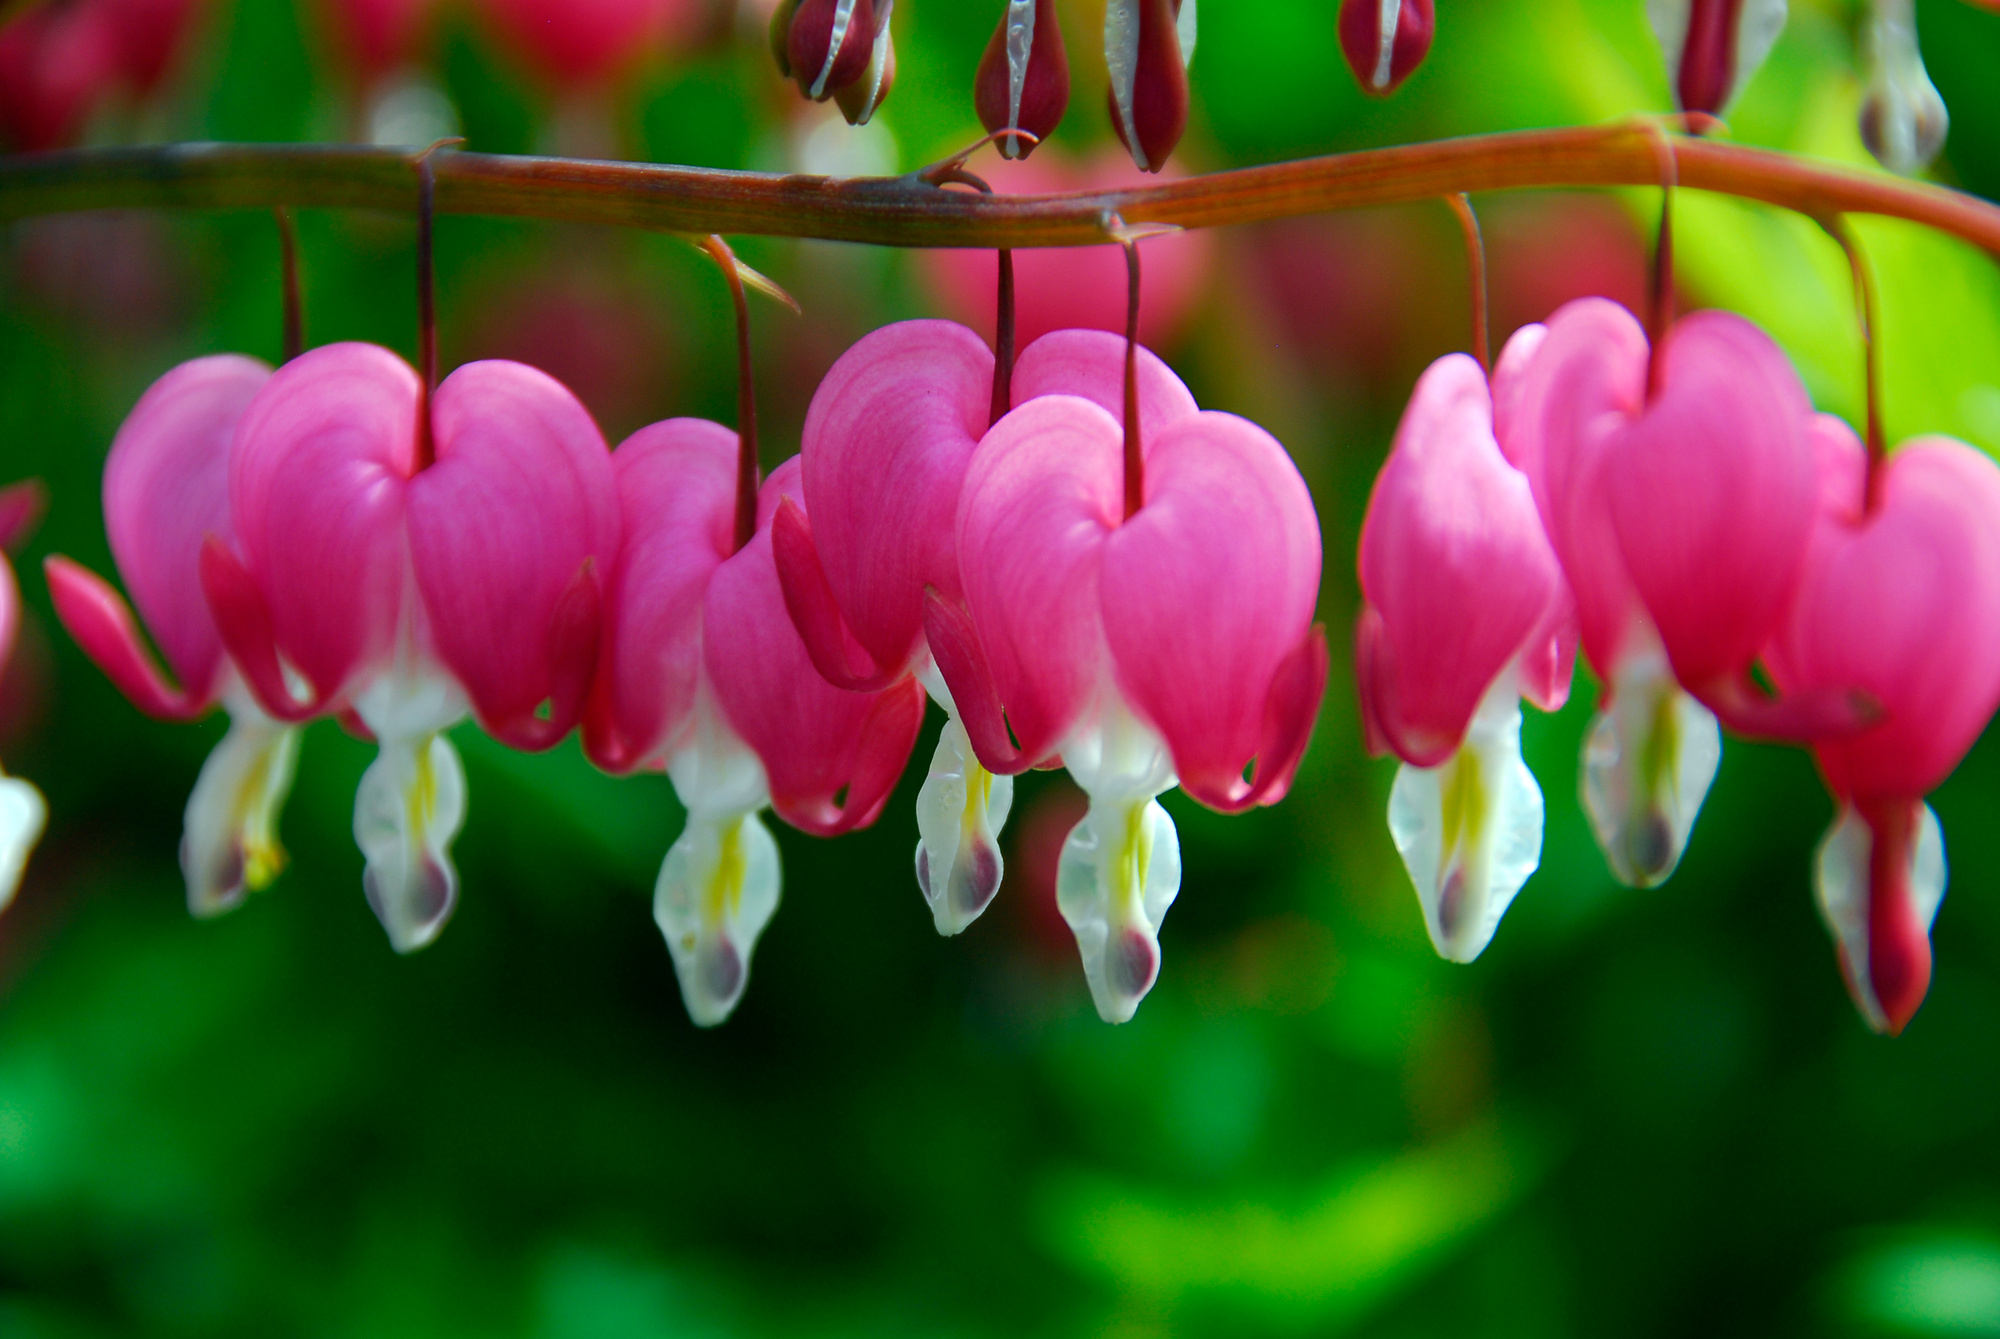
(1660, 309)
(1867, 313)
(1135, 461)
(746, 395)
(1475, 268)
(1003, 340)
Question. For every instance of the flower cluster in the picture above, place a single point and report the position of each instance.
(1081, 566)
(1681, 509)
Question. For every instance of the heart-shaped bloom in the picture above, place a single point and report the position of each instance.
(1901, 601)
(1679, 499)
(887, 441)
(23, 813)
(358, 582)
(166, 489)
(1173, 643)
(703, 673)
(1465, 608)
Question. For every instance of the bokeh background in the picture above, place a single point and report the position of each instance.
(1639, 1113)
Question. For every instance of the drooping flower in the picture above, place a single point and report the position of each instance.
(702, 673)
(1171, 644)
(1147, 47)
(1901, 600)
(891, 431)
(1712, 47)
(363, 578)
(1023, 80)
(1385, 40)
(824, 46)
(166, 489)
(1465, 610)
(23, 812)
(1903, 116)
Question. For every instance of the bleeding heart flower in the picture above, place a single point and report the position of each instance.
(1023, 80)
(1903, 117)
(1465, 604)
(703, 673)
(1385, 40)
(888, 437)
(361, 579)
(1173, 642)
(1712, 47)
(1147, 47)
(166, 489)
(23, 812)
(1901, 601)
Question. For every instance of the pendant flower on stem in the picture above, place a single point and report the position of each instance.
(702, 673)
(1712, 47)
(166, 489)
(406, 558)
(1173, 644)
(1901, 600)
(1466, 610)
(1147, 47)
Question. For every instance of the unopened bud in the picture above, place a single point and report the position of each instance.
(1147, 46)
(829, 45)
(1712, 47)
(1385, 40)
(857, 101)
(1023, 81)
(1903, 117)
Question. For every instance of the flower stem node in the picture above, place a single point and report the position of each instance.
(1385, 40)
(1648, 759)
(1023, 80)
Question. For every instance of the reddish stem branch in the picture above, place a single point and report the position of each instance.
(288, 249)
(1135, 461)
(1867, 314)
(1003, 341)
(746, 395)
(1475, 269)
(905, 211)
(426, 310)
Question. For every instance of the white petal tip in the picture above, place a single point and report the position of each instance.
(23, 816)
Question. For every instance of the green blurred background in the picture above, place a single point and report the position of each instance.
(1638, 1113)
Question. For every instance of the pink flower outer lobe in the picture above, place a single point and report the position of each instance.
(1457, 572)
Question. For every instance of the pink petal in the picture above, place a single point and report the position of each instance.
(1091, 363)
(1587, 377)
(1509, 375)
(166, 487)
(1712, 489)
(102, 624)
(677, 496)
(1454, 561)
(1549, 663)
(962, 661)
(816, 741)
(885, 447)
(22, 506)
(506, 526)
(838, 656)
(1044, 490)
(1904, 607)
(316, 479)
(1207, 590)
(243, 618)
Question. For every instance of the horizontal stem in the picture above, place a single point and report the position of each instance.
(904, 211)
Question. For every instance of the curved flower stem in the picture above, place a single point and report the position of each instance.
(1003, 340)
(288, 248)
(1135, 460)
(906, 211)
(427, 361)
(1868, 314)
(1475, 270)
(746, 395)
(1660, 317)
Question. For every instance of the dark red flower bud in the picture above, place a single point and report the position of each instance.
(1023, 81)
(1714, 46)
(830, 45)
(1147, 44)
(857, 101)
(1385, 40)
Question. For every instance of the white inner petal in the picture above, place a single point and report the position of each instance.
(960, 811)
(1841, 883)
(1120, 871)
(716, 893)
(879, 56)
(1387, 15)
(1669, 19)
(1184, 29)
(229, 836)
(1648, 760)
(408, 810)
(1909, 117)
(23, 815)
(843, 15)
(1470, 830)
(1020, 47)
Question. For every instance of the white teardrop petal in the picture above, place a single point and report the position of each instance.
(1020, 47)
(23, 815)
(229, 834)
(1648, 760)
(1388, 16)
(408, 810)
(843, 15)
(1903, 117)
(960, 811)
(1841, 884)
(716, 892)
(1120, 871)
(1470, 830)
(1184, 29)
